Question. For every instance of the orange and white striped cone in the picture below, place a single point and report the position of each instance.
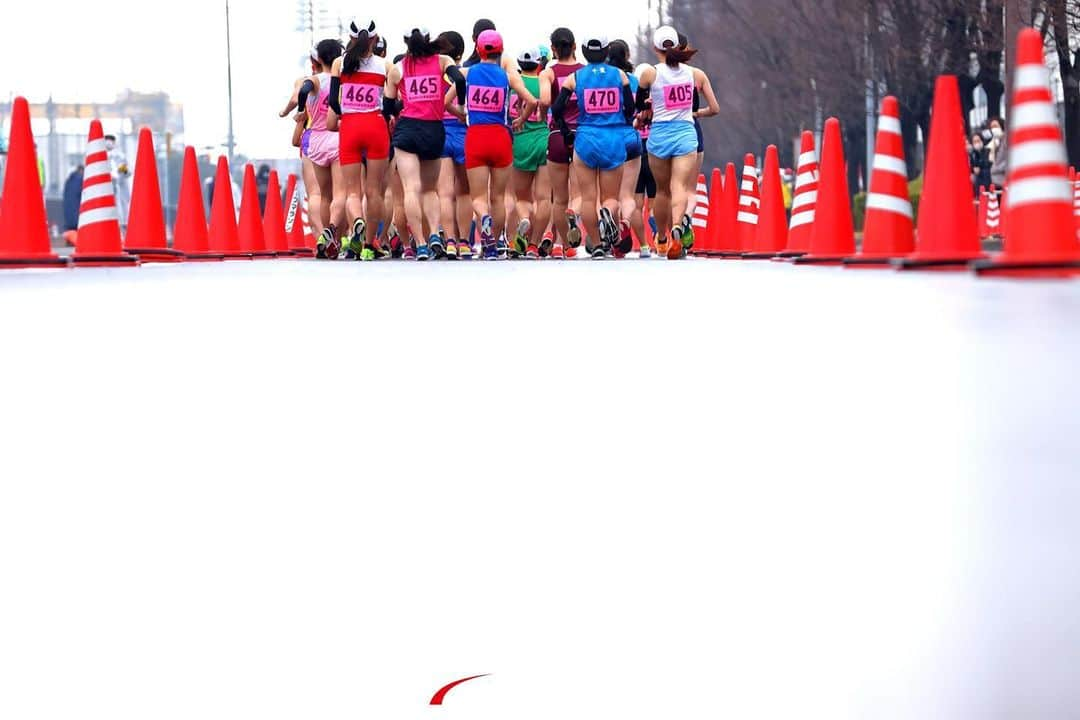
(1076, 203)
(984, 203)
(98, 242)
(804, 200)
(889, 230)
(700, 218)
(294, 227)
(1042, 238)
(993, 213)
(746, 221)
(310, 241)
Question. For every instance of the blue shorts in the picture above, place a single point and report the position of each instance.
(454, 147)
(633, 144)
(700, 136)
(672, 138)
(601, 148)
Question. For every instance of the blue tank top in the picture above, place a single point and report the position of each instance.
(599, 91)
(487, 96)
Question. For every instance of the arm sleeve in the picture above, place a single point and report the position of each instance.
(628, 103)
(454, 73)
(390, 107)
(335, 95)
(558, 111)
(306, 89)
(642, 98)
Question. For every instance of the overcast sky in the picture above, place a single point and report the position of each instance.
(82, 51)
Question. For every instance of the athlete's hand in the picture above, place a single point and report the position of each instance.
(569, 138)
(518, 124)
(300, 116)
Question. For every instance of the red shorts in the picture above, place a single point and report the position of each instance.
(488, 146)
(364, 136)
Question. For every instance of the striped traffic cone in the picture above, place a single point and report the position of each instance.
(772, 226)
(98, 243)
(948, 238)
(993, 214)
(749, 209)
(889, 228)
(1076, 202)
(833, 236)
(984, 206)
(804, 201)
(1042, 238)
(293, 227)
(310, 241)
(700, 219)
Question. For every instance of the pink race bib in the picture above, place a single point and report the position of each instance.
(486, 99)
(357, 98)
(601, 100)
(679, 97)
(423, 87)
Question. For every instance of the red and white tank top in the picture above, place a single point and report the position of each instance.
(362, 91)
(421, 88)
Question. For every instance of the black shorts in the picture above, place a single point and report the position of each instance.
(700, 136)
(646, 183)
(634, 151)
(423, 138)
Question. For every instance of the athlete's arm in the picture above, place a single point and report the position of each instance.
(547, 77)
(456, 76)
(702, 81)
(306, 88)
(528, 102)
(558, 110)
(293, 103)
(392, 79)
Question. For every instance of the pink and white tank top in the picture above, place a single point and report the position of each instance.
(421, 89)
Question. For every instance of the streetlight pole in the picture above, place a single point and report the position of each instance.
(231, 142)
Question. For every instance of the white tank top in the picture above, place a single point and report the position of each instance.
(672, 93)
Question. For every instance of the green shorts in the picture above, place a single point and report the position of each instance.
(530, 149)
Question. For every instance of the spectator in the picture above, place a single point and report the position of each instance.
(262, 182)
(118, 168)
(979, 160)
(72, 201)
(999, 154)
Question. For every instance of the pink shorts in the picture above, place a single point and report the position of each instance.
(323, 148)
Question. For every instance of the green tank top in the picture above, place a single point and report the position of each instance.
(535, 122)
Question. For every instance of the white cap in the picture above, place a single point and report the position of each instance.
(358, 25)
(595, 42)
(529, 55)
(421, 29)
(664, 35)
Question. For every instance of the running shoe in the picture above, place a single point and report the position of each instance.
(331, 243)
(652, 226)
(676, 250)
(436, 247)
(380, 251)
(487, 230)
(609, 230)
(464, 251)
(571, 252)
(367, 254)
(546, 244)
(687, 235)
(491, 251)
(645, 253)
(573, 237)
(451, 249)
(532, 252)
(521, 237)
(557, 252)
(409, 253)
(358, 237)
(393, 238)
(662, 247)
(422, 253)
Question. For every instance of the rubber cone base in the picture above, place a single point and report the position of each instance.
(284, 254)
(17, 263)
(871, 261)
(264, 255)
(759, 255)
(788, 254)
(940, 264)
(121, 260)
(303, 252)
(157, 255)
(1032, 269)
(204, 257)
(820, 260)
(237, 256)
(729, 255)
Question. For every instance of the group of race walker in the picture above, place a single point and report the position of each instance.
(502, 157)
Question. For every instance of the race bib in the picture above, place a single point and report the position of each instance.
(679, 97)
(357, 98)
(486, 99)
(423, 87)
(601, 100)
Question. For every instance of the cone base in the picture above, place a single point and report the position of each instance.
(759, 255)
(872, 261)
(287, 254)
(1003, 267)
(237, 256)
(946, 264)
(263, 255)
(157, 255)
(120, 260)
(303, 252)
(788, 254)
(204, 257)
(46, 261)
(729, 254)
(820, 259)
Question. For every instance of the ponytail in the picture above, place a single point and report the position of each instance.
(328, 51)
(359, 49)
(673, 57)
(562, 43)
(619, 56)
(420, 45)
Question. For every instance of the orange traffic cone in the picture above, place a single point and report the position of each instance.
(749, 208)
(889, 230)
(146, 221)
(250, 224)
(274, 220)
(224, 237)
(98, 242)
(727, 232)
(772, 229)
(804, 200)
(700, 220)
(833, 236)
(189, 232)
(1076, 202)
(24, 228)
(993, 213)
(293, 227)
(984, 207)
(716, 203)
(948, 238)
(1042, 238)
